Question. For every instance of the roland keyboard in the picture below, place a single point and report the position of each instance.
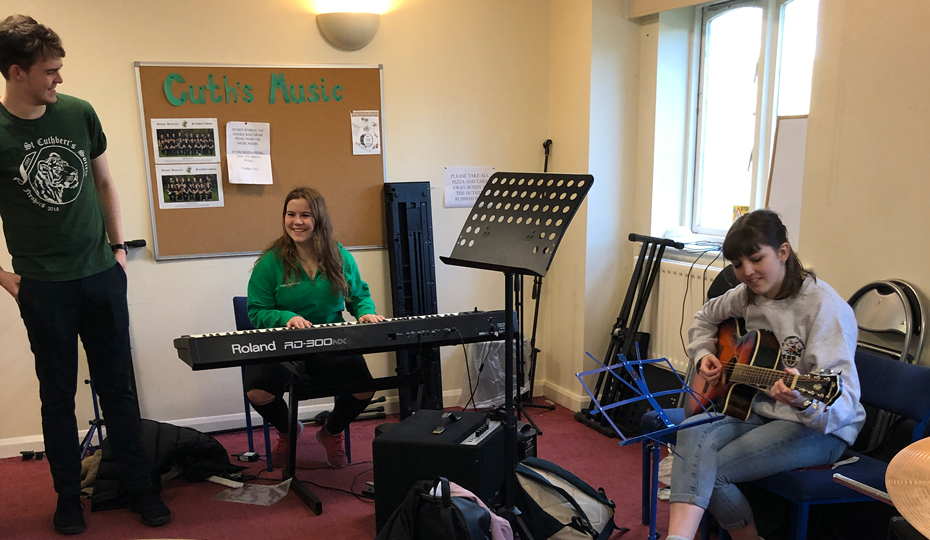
(210, 351)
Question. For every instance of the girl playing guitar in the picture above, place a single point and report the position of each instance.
(815, 329)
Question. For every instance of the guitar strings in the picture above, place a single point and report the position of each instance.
(759, 376)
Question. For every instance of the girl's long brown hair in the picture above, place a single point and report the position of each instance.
(760, 228)
(323, 242)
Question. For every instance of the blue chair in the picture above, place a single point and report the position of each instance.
(897, 387)
(241, 312)
(891, 385)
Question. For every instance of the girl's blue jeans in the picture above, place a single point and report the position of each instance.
(710, 459)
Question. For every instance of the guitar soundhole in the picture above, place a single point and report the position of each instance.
(728, 369)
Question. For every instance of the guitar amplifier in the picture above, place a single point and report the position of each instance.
(468, 451)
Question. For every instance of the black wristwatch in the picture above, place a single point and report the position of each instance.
(123, 247)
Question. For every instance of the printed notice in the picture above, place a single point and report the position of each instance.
(248, 152)
(464, 184)
(366, 133)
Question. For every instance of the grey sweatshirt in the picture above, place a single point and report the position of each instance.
(816, 329)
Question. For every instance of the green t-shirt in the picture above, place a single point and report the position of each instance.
(273, 302)
(51, 214)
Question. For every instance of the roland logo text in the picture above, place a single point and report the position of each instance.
(249, 348)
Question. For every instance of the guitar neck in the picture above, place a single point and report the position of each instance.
(825, 387)
(765, 378)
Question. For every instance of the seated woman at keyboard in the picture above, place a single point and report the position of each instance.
(304, 278)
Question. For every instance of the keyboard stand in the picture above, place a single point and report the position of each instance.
(302, 491)
(297, 370)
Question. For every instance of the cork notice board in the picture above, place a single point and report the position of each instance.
(311, 145)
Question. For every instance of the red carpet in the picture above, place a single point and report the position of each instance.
(27, 500)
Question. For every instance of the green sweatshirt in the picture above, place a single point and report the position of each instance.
(273, 302)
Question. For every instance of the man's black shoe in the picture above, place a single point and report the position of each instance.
(147, 504)
(69, 515)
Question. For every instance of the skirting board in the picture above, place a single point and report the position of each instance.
(209, 424)
(571, 400)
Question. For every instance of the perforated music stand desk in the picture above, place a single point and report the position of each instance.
(518, 221)
(515, 227)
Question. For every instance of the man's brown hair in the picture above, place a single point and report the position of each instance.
(23, 42)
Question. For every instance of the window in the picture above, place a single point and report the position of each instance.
(745, 80)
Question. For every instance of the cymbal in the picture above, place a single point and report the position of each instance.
(908, 482)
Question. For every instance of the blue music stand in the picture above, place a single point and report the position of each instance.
(634, 372)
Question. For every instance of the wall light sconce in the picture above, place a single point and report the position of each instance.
(348, 31)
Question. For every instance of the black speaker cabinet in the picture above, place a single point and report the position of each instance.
(468, 451)
(658, 378)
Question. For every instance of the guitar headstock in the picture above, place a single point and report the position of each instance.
(824, 386)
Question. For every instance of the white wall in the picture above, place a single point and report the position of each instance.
(615, 61)
(646, 126)
(674, 142)
(665, 151)
(561, 314)
(866, 215)
(593, 101)
(465, 83)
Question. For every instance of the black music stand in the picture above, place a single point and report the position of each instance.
(525, 399)
(515, 227)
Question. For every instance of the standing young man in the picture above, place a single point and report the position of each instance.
(61, 221)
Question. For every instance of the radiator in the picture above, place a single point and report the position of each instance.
(679, 290)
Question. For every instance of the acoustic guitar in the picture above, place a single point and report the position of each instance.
(749, 360)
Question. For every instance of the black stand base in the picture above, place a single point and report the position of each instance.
(537, 405)
(305, 495)
(302, 491)
(297, 370)
(521, 407)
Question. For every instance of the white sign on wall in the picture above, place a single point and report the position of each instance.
(464, 184)
(248, 152)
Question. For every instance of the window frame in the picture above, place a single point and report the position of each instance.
(766, 100)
